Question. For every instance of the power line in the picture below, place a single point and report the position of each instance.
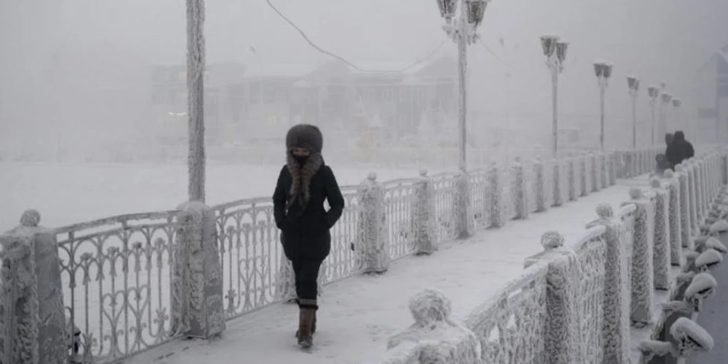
(344, 60)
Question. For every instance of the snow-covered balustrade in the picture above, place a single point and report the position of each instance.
(558, 197)
(32, 322)
(583, 176)
(118, 273)
(423, 215)
(539, 186)
(573, 182)
(642, 258)
(463, 209)
(372, 242)
(197, 287)
(617, 285)
(685, 203)
(661, 252)
(593, 172)
(434, 337)
(496, 192)
(674, 217)
(520, 191)
(480, 196)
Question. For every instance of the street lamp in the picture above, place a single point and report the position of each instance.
(666, 100)
(634, 87)
(603, 71)
(653, 92)
(463, 31)
(555, 53)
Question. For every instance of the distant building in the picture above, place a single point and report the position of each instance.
(259, 101)
(712, 113)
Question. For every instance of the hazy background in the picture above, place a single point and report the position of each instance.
(78, 73)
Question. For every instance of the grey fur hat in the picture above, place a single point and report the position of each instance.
(305, 136)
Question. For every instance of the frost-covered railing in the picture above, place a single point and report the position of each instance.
(578, 303)
(116, 283)
(118, 273)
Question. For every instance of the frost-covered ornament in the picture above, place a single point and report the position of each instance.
(707, 260)
(702, 286)
(436, 337)
(30, 218)
(690, 336)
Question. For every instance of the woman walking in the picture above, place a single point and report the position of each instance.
(304, 183)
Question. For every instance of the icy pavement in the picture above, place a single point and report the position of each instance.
(714, 319)
(359, 314)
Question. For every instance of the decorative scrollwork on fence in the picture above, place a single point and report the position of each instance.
(512, 325)
(398, 202)
(445, 190)
(116, 278)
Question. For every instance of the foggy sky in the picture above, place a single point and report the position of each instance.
(657, 40)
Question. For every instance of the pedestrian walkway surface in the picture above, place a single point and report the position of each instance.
(714, 318)
(359, 314)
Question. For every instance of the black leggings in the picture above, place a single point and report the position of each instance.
(306, 272)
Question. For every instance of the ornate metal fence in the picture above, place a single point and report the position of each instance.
(249, 253)
(479, 198)
(398, 203)
(116, 277)
(445, 190)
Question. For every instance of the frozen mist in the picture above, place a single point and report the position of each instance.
(95, 101)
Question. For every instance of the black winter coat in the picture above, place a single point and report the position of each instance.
(305, 234)
(678, 151)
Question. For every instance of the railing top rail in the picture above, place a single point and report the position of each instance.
(512, 288)
(245, 201)
(589, 235)
(119, 219)
(627, 209)
(400, 181)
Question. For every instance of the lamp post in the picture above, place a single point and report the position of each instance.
(653, 92)
(195, 99)
(603, 71)
(463, 31)
(634, 87)
(555, 53)
(666, 100)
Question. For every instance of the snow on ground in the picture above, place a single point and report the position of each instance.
(359, 314)
(69, 193)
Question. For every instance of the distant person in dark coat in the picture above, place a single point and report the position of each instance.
(304, 183)
(679, 150)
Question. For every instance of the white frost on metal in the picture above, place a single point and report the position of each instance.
(661, 252)
(642, 263)
(441, 339)
(690, 336)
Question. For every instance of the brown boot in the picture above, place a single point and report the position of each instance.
(305, 323)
